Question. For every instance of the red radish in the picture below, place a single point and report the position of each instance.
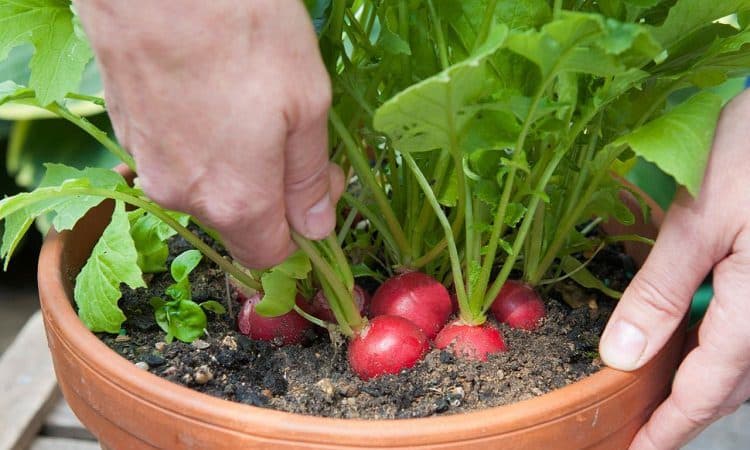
(287, 329)
(414, 296)
(318, 305)
(470, 341)
(388, 344)
(518, 305)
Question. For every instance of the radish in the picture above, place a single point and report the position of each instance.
(470, 341)
(318, 305)
(518, 305)
(414, 296)
(388, 344)
(289, 328)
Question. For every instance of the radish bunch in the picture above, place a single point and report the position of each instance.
(406, 313)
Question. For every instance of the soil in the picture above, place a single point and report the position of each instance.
(314, 378)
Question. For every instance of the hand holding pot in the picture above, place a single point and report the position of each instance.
(224, 107)
(711, 231)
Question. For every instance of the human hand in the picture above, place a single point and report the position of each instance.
(224, 107)
(698, 234)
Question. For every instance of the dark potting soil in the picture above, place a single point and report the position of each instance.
(314, 378)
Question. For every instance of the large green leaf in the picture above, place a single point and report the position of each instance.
(54, 196)
(680, 140)
(688, 16)
(113, 261)
(431, 114)
(60, 54)
(585, 43)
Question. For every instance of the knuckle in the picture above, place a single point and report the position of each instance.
(697, 416)
(311, 103)
(309, 181)
(657, 297)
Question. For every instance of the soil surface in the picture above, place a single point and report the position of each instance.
(314, 378)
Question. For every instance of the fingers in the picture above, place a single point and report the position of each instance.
(309, 205)
(658, 297)
(714, 379)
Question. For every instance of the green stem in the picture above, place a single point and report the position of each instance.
(499, 221)
(522, 231)
(458, 280)
(484, 28)
(362, 168)
(341, 263)
(98, 101)
(95, 132)
(430, 256)
(442, 48)
(370, 215)
(567, 224)
(311, 318)
(341, 298)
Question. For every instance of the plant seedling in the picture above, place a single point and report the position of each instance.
(181, 317)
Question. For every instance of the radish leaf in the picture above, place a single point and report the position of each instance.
(113, 261)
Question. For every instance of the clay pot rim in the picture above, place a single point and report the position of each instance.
(122, 375)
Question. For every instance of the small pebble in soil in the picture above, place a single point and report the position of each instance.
(142, 365)
(160, 346)
(122, 338)
(203, 375)
(229, 342)
(326, 386)
(200, 344)
(154, 360)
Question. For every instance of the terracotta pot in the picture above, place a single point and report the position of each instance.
(127, 408)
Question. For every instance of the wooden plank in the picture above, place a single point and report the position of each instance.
(62, 422)
(58, 443)
(27, 386)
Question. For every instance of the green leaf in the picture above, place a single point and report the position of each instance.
(52, 196)
(15, 227)
(585, 278)
(679, 141)
(185, 263)
(431, 114)
(606, 203)
(585, 43)
(187, 321)
(279, 294)
(213, 306)
(113, 261)
(514, 214)
(160, 313)
(688, 16)
(60, 55)
(362, 270)
(180, 290)
(392, 43)
(295, 266)
(150, 235)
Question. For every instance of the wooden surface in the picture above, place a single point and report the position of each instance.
(33, 414)
(58, 443)
(27, 386)
(61, 422)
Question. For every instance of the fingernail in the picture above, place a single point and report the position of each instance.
(319, 220)
(622, 345)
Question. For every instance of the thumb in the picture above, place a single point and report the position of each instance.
(310, 202)
(658, 297)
